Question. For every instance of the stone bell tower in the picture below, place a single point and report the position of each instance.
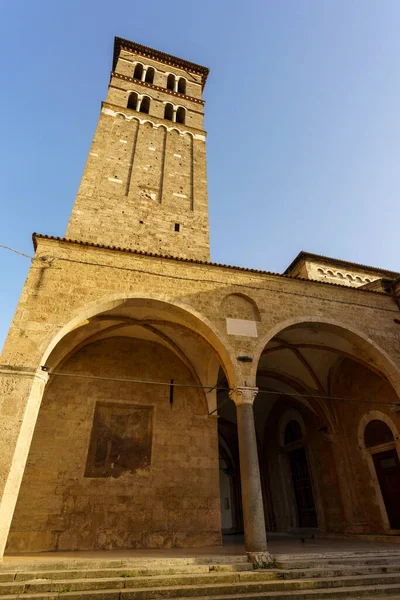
(145, 183)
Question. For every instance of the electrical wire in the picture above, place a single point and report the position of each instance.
(219, 282)
(51, 261)
(217, 388)
(207, 389)
(17, 252)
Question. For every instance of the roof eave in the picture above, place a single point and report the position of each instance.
(36, 236)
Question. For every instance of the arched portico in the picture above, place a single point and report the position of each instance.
(178, 312)
(183, 342)
(331, 374)
(361, 346)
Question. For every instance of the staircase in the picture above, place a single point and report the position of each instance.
(302, 576)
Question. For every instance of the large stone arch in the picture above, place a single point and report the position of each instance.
(201, 327)
(180, 313)
(328, 345)
(365, 344)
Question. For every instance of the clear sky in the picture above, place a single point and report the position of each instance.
(302, 115)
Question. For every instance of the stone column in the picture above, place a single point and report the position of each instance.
(255, 537)
(174, 114)
(144, 73)
(21, 393)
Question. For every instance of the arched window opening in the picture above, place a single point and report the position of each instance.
(180, 115)
(293, 432)
(381, 446)
(182, 85)
(168, 112)
(138, 72)
(145, 105)
(377, 433)
(150, 75)
(133, 101)
(171, 82)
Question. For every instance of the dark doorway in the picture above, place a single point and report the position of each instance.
(387, 468)
(306, 513)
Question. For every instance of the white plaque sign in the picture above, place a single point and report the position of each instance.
(242, 327)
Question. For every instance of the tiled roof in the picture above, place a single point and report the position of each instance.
(36, 236)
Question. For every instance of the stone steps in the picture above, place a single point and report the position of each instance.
(329, 576)
(336, 571)
(68, 564)
(309, 561)
(213, 585)
(86, 574)
(121, 571)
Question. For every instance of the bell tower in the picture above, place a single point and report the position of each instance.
(145, 182)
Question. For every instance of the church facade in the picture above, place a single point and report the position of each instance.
(151, 398)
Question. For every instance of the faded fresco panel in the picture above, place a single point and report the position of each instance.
(120, 440)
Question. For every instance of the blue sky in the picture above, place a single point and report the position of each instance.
(302, 114)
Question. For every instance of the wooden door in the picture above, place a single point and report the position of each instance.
(387, 468)
(307, 515)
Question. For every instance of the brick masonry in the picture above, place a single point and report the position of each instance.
(146, 175)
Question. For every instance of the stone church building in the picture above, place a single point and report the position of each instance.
(151, 398)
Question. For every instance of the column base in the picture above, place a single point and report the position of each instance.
(260, 560)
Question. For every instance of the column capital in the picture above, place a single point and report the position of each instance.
(243, 395)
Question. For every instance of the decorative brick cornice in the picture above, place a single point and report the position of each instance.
(167, 59)
(157, 88)
(36, 236)
(302, 256)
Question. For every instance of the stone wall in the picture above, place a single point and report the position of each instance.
(69, 282)
(375, 395)
(170, 500)
(139, 183)
(145, 181)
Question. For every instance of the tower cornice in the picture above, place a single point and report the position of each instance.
(145, 51)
